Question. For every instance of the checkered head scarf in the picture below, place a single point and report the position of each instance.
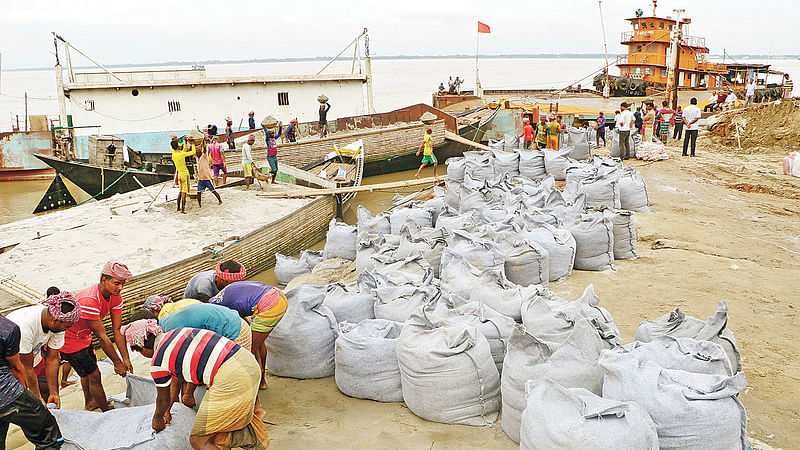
(155, 302)
(136, 333)
(231, 277)
(57, 304)
(116, 270)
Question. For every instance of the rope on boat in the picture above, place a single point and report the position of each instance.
(105, 188)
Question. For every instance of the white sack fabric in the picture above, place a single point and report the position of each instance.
(506, 162)
(347, 303)
(96, 430)
(633, 191)
(594, 243)
(678, 324)
(560, 246)
(690, 410)
(556, 162)
(341, 241)
(531, 164)
(683, 353)
(557, 417)
(288, 268)
(368, 224)
(301, 345)
(624, 230)
(366, 361)
(447, 373)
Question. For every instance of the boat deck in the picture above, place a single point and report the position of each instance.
(162, 247)
(576, 104)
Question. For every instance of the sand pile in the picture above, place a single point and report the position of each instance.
(769, 125)
(75, 243)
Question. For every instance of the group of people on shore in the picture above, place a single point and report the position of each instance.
(546, 133)
(655, 124)
(215, 336)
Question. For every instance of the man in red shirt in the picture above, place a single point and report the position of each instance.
(527, 133)
(96, 302)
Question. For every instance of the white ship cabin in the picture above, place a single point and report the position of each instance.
(144, 107)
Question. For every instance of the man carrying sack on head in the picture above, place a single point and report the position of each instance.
(96, 303)
(271, 139)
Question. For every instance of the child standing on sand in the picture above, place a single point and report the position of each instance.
(427, 154)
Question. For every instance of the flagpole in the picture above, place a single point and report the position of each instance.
(478, 90)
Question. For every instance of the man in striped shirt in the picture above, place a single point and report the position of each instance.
(229, 411)
(677, 119)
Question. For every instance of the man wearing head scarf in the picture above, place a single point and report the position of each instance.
(219, 319)
(264, 304)
(96, 303)
(553, 130)
(541, 133)
(527, 133)
(42, 330)
(211, 282)
(229, 412)
(251, 120)
(19, 405)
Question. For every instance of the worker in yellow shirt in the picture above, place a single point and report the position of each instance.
(553, 128)
(179, 159)
(427, 154)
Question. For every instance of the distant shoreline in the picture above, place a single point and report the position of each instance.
(394, 57)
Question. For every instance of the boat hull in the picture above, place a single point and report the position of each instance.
(101, 182)
(17, 155)
(25, 174)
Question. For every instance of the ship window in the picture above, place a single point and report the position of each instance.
(89, 105)
(663, 73)
(669, 27)
(661, 25)
(135, 92)
(635, 26)
(283, 98)
(638, 48)
(173, 106)
(652, 25)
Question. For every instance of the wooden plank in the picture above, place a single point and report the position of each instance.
(347, 189)
(142, 186)
(454, 137)
(20, 290)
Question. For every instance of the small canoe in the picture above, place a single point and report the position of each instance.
(343, 166)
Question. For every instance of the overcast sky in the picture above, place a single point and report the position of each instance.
(146, 31)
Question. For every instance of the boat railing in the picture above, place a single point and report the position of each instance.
(694, 41)
(134, 76)
(711, 67)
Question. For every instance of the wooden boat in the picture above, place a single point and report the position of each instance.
(343, 167)
(103, 182)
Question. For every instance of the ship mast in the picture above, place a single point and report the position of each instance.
(671, 95)
(606, 88)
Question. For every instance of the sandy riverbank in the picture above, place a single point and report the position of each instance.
(705, 243)
(76, 242)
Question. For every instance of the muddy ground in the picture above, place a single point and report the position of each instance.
(726, 227)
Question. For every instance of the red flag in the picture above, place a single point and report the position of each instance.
(483, 28)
